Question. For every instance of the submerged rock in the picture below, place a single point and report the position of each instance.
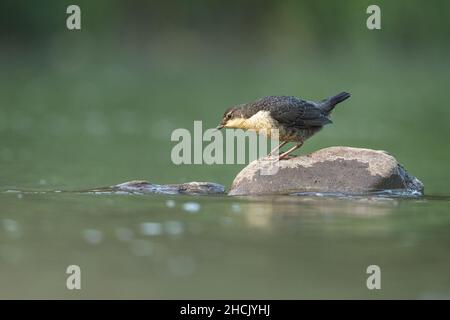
(335, 169)
(182, 188)
(142, 186)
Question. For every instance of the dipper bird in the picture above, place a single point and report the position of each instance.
(295, 119)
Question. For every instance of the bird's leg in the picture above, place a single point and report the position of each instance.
(277, 148)
(285, 154)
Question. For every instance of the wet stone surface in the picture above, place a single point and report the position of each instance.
(142, 186)
(335, 169)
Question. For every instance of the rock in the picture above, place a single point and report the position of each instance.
(335, 170)
(142, 186)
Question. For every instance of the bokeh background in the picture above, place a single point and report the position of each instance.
(96, 107)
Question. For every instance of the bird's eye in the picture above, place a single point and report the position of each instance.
(229, 116)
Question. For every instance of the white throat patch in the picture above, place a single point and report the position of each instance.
(261, 120)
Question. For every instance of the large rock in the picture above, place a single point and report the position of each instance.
(335, 169)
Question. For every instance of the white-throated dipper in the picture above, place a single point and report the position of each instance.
(295, 119)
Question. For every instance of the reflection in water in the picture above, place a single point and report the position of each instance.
(259, 247)
(191, 207)
(170, 203)
(236, 207)
(258, 215)
(260, 211)
(12, 228)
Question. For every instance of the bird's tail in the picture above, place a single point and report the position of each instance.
(328, 104)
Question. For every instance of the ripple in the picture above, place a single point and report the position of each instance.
(170, 203)
(151, 228)
(12, 228)
(192, 207)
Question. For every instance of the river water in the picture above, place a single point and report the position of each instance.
(153, 246)
(105, 122)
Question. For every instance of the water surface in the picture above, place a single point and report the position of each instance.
(153, 246)
(81, 117)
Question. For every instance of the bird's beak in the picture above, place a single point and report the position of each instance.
(219, 126)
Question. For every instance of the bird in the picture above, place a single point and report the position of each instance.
(295, 119)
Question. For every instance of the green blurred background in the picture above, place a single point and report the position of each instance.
(97, 106)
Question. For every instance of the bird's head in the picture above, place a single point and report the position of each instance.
(233, 118)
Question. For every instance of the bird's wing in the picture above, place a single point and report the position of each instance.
(296, 113)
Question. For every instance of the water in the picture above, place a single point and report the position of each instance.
(154, 246)
(101, 123)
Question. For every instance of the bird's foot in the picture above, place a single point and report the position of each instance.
(286, 157)
(272, 157)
